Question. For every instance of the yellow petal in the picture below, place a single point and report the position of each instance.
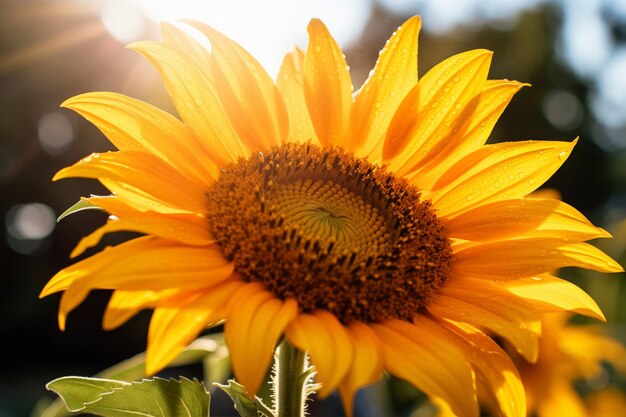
(480, 118)
(445, 91)
(154, 183)
(247, 92)
(182, 40)
(367, 363)
(546, 193)
(527, 217)
(145, 263)
(498, 172)
(111, 204)
(196, 100)
(498, 381)
(188, 229)
(394, 75)
(125, 304)
(550, 294)
(256, 321)
(590, 348)
(327, 86)
(400, 128)
(174, 326)
(327, 343)
(138, 265)
(561, 400)
(522, 258)
(133, 125)
(432, 364)
(290, 83)
(485, 304)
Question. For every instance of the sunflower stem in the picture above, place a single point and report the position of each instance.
(290, 381)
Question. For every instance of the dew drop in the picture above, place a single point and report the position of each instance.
(469, 197)
(562, 155)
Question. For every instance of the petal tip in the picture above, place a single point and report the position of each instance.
(153, 364)
(416, 19)
(316, 25)
(49, 289)
(67, 103)
(62, 319)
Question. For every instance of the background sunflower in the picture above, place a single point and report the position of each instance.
(52, 50)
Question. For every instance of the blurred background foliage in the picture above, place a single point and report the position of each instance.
(572, 52)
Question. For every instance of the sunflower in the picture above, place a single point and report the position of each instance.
(373, 230)
(569, 353)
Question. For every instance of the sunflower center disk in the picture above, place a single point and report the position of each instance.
(330, 230)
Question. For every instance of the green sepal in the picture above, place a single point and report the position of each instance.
(155, 397)
(243, 404)
(83, 204)
(75, 391)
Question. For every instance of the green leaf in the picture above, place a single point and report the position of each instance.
(133, 369)
(244, 405)
(149, 398)
(154, 397)
(80, 206)
(76, 391)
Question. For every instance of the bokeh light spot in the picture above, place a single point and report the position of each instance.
(27, 226)
(609, 104)
(55, 133)
(587, 41)
(33, 221)
(563, 109)
(123, 20)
